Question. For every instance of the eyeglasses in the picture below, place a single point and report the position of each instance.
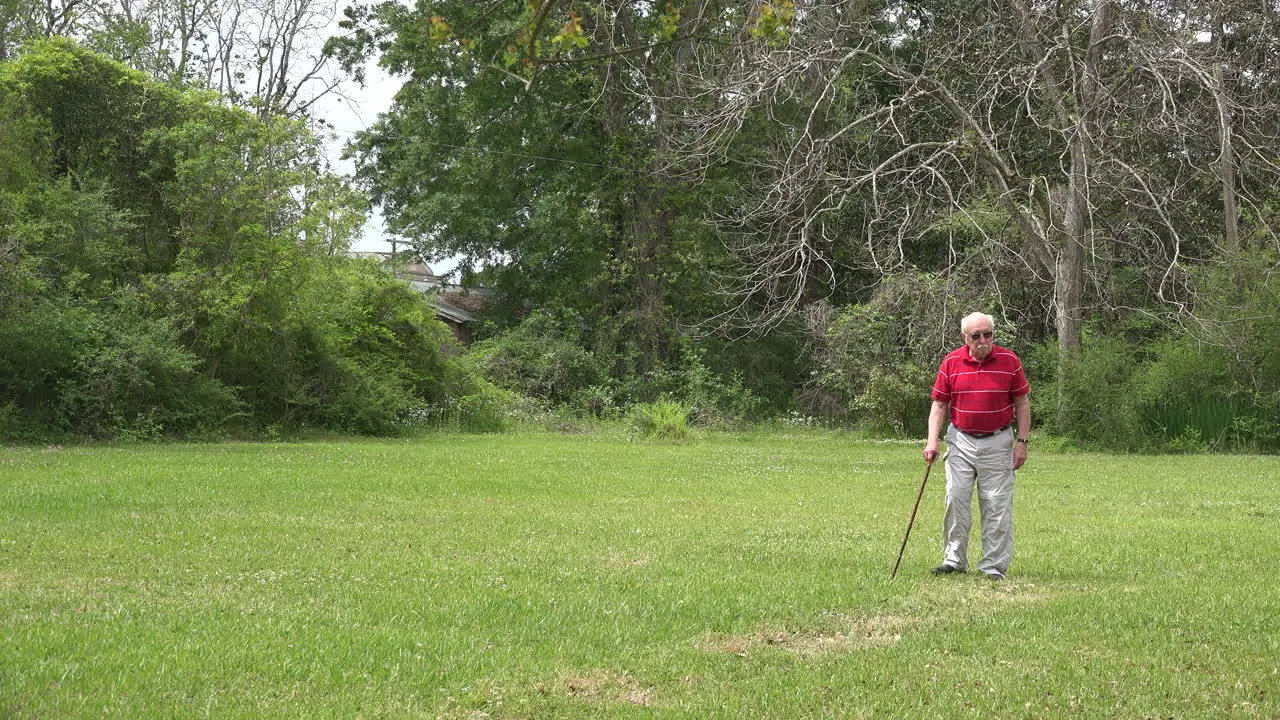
(984, 335)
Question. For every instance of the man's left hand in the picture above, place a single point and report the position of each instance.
(1019, 455)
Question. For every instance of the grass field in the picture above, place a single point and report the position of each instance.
(533, 576)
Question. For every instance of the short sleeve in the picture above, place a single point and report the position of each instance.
(942, 384)
(1018, 384)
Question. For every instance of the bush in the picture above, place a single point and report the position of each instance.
(470, 403)
(711, 400)
(362, 398)
(597, 401)
(896, 400)
(379, 351)
(1259, 432)
(1095, 401)
(1185, 396)
(104, 370)
(1172, 394)
(874, 361)
(543, 358)
(488, 409)
(770, 368)
(662, 420)
(1040, 365)
(171, 265)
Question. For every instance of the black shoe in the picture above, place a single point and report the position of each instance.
(945, 569)
(994, 575)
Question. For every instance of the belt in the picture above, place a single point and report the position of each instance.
(985, 434)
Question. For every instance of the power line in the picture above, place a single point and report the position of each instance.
(522, 155)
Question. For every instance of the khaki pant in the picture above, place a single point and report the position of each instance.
(988, 464)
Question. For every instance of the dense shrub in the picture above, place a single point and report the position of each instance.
(105, 370)
(662, 420)
(710, 399)
(1093, 402)
(381, 350)
(171, 266)
(543, 358)
(874, 361)
(770, 368)
(1174, 394)
(895, 400)
(473, 403)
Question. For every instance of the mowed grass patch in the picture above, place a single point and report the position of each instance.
(533, 576)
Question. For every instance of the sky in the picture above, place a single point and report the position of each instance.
(350, 117)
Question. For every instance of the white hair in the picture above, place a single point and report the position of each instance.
(967, 321)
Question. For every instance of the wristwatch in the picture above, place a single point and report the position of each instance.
(1022, 440)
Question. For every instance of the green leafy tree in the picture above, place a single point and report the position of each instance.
(564, 195)
(173, 266)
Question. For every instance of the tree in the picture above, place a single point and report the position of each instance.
(1092, 155)
(172, 265)
(1084, 126)
(563, 193)
(264, 54)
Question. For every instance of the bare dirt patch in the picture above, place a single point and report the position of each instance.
(842, 634)
(602, 685)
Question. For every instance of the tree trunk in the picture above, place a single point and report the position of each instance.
(641, 224)
(1068, 284)
(650, 228)
(1070, 224)
(648, 219)
(1227, 171)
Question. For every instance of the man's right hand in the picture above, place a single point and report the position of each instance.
(931, 452)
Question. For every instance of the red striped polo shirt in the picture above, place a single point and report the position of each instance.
(981, 393)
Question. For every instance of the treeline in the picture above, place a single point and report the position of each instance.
(175, 266)
(1138, 383)
(799, 200)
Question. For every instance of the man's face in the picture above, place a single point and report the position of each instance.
(978, 337)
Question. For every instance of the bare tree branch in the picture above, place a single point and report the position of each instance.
(1103, 115)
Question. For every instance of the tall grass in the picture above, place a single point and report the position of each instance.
(537, 576)
(662, 420)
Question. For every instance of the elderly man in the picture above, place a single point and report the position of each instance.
(982, 390)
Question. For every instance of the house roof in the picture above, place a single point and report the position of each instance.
(452, 302)
(415, 271)
(451, 312)
(472, 299)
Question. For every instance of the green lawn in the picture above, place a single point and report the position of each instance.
(533, 576)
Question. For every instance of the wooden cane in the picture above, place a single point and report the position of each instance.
(912, 521)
